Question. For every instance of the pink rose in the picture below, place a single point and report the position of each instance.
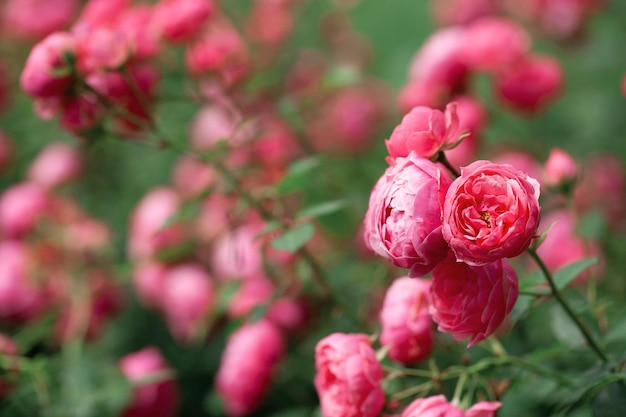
(181, 20)
(559, 169)
(191, 177)
(405, 320)
(438, 406)
(21, 207)
(425, 131)
(155, 399)
(531, 84)
(248, 363)
(57, 164)
(253, 292)
(238, 254)
(472, 301)
(36, 19)
(403, 221)
(348, 378)
(490, 212)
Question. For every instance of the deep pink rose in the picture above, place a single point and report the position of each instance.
(490, 212)
(438, 406)
(248, 363)
(348, 376)
(425, 131)
(403, 221)
(405, 320)
(472, 301)
(156, 399)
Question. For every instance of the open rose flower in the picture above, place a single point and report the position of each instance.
(403, 222)
(472, 301)
(438, 406)
(348, 376)
(490, 212)
(425, 131)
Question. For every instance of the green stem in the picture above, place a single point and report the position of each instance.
(559, 298)
(441, 158)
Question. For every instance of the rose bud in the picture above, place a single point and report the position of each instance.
(47, 72)
(57, 164)
(403, 220)
(21, 298)
(472, 119)
(559, 169)
(247, 366)
(150, 399)
(187, 299)
(148, 280)
(493, 44)
(348, 376)
(181, 20)
(490, 212)
(191, 177)
(253, 292)
(438, 406)
(424, 131)
(238, 254)
(531, 84)
(21, 207)
(405, 320)
(289, 314)
(472, 301)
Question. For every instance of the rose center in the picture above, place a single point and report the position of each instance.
(486, 217)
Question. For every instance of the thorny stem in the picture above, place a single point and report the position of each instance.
(559, 298)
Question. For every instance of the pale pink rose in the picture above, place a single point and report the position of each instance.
(438, 406)
(21, 298)
(36, 19)
(439, 60)
(100, 13)
(563, 246)
(152, 399)
(57, 164)
(603, 186)
(148, 280)
(472, 301)
(490, 212)
(238, 254)
(424, 131)
(181, 20)
(289, 314)
(560, 168)
(403, 221)
(46, 73)
(460, 12)
(253, 292)
(247, 366)
(472, 120)
(149, 231)
(405, 320)
(421, 93)
(21, 207)
(494, 43)
(531, 84)
(520, 160)
(214, 123)
(191, 177)
(6, 150)
(219, 50)
(187, 299)
(348, 376)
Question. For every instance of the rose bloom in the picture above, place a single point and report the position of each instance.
(490, 212)
(403, 221)
(405, 320)
(472, 301)
(348, 378)
(438, 406)
(425, 131)
(248, 363)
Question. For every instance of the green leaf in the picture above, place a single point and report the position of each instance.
(531, 280)
(568, 273)
(292, 240)
(298, 174)
(322, 209)
(565, 330)
(521, 307)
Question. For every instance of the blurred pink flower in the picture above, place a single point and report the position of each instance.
(472, 301)
(405, 320)
(36, 19)
(348, 376)
(460, 12)
(21, 207)
(472, 119)
(57, 164)
(403, 221)
(247, 366)
(438, 406)
(181, 20)
(560, 168)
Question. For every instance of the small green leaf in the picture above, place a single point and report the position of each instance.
(292, 240)
(532, 280)
(565, 330)
(298, 174)
(322, 209)
(568, 273)
(521, 307)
